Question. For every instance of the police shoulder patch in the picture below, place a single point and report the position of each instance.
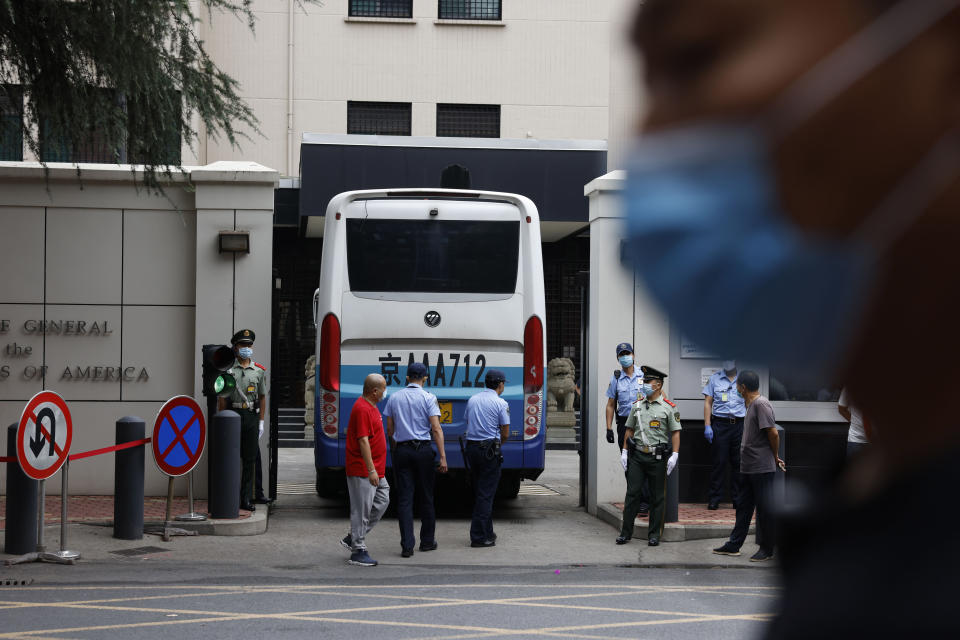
(676, 414)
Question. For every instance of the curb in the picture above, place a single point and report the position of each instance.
(252, 526)
(672, 532)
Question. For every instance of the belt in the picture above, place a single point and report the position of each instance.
(482, 443)
(726, 419)
(645, 449)
(413, 443)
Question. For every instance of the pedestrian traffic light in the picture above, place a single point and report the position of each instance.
(217, 358)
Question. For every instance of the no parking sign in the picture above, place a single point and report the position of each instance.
(179, 434)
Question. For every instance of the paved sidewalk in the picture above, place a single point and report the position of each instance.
(696, 522)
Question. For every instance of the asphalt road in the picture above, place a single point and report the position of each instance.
(588, 602)
(554, 573)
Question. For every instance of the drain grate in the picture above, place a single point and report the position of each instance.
(23, 582)
(537, 490)
(295, 489)
(138, 551)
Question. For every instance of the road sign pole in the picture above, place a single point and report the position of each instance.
(168, 517)
(193, 516)
(42, 507)
(63, 556)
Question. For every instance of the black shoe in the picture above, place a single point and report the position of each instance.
(623, 539)
(483, 543)
(713, 506)
(263, 500)
(643, 509)
(428, 547)
(653, 541)
(727, 550)
(247, 506)
(761, 556)
(406, 553)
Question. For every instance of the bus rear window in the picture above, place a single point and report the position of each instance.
(433, 256)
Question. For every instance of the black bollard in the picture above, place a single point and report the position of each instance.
(128, 480)
(20, 536)
(223, 459)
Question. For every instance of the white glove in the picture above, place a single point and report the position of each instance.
(623, 459)
(260, 434)
(672, 462)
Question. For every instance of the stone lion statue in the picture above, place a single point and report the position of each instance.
(309, 388)
(561, 387)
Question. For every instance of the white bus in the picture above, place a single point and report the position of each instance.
(449, 278)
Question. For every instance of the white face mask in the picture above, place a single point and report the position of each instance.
(245, 352)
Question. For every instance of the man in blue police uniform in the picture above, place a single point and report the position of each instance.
(488, 425)
(413, 416)
(723, 412)
(622, 392)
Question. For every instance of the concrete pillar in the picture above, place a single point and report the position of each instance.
(620, 309)
(233, 291)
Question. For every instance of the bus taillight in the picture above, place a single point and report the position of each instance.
(532, 377)
(328, 381)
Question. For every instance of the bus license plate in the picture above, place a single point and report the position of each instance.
(446, 412)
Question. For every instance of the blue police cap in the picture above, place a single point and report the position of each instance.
(495, 376)
(417, 370)
(624, 346)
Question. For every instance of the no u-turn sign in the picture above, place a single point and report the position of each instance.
(44, 435)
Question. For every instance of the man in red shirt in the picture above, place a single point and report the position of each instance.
(366, 462)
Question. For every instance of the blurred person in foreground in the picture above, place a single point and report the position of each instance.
(824, 134)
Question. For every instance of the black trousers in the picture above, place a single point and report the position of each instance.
(249, 425)
(644, 470)
(725, 451)
(644, 496)
(757, 494)
(485, 476)
(416, 474)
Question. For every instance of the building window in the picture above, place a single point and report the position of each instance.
(91, 143)
(11, 123)
(381, 8)
(164, 150)
(468, 120)
(470, 10)
(378, 118)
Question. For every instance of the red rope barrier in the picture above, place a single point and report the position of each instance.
(119, 447)
(95, 452)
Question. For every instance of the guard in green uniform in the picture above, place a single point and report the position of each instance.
(653, 431)
(248, 400)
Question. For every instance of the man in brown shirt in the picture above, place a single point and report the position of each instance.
(758, 464)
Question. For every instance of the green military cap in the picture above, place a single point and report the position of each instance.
(649, 373)
(243, 336)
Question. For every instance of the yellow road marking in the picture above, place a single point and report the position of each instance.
(423, 601)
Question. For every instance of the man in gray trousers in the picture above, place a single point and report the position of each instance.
(366, 458)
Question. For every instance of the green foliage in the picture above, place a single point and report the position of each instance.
(123, 76)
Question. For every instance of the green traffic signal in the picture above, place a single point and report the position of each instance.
(224, 385)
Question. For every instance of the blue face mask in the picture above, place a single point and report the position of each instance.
(625, 361)
(245, 352)
(704, 195)
(646, 390)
